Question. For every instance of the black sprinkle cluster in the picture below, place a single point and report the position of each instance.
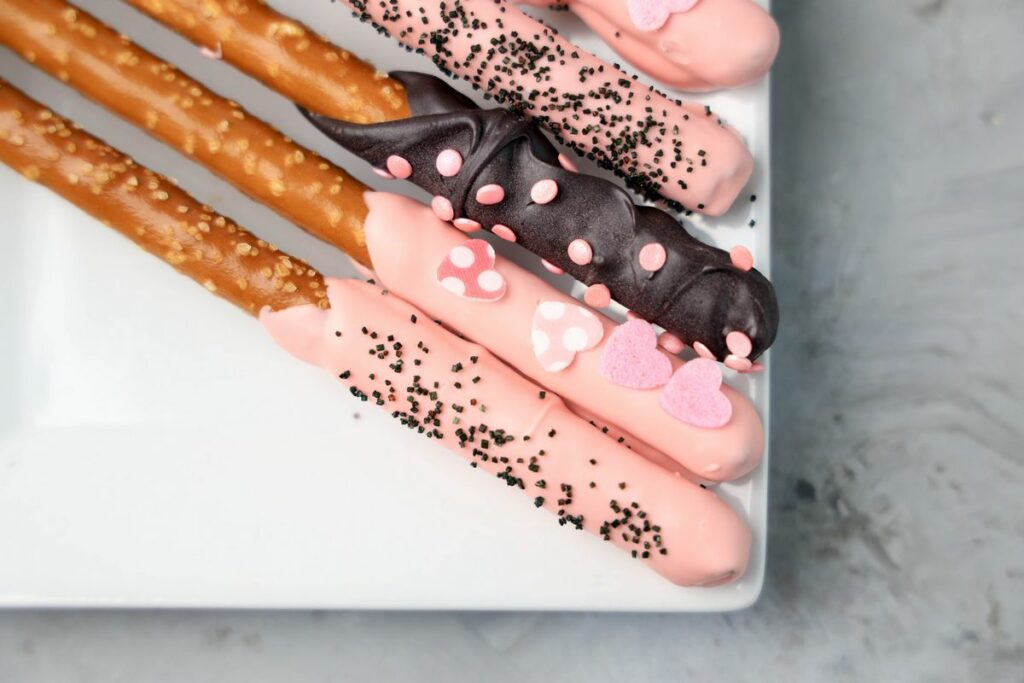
(631, 522)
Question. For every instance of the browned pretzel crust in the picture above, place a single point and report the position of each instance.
(69, 44)
(150, 210)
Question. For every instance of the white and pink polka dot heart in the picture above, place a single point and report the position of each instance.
(562, 330)
(469, 271)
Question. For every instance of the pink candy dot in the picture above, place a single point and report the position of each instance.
(598, 296)
(568, 164)
(653, 257)
(742, 258)
(738, 364)
(488, 195)
(467, 225)
(551, 267)
(580, 252)
(739, 344)
(383, 174)
(671, 342)
(544, 192)
(449, 163)
(399, 167)
(504, 232)
(703, 351)
(443, 208)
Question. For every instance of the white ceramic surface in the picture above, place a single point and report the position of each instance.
(157, 450)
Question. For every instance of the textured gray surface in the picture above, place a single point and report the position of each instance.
(897, 544)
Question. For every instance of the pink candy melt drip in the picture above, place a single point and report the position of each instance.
(404, 238)
(681, 151)
(690, 45)
(457, 394)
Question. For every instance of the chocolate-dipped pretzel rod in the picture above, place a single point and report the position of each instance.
(680, 151)
(492, 168)
(430, 380)
(720, 454)
(85, 53)
(151, 211)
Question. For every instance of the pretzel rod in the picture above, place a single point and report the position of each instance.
(696, 45)
(431, 381)
(150, 210)
(638, 256)
(661, 147)
(70, 45)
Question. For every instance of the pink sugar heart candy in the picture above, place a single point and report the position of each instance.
(694, 395)
(468, 271)
(631, 357)
(650, 15)
(560, 331)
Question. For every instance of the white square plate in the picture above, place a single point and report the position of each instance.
(156, 449)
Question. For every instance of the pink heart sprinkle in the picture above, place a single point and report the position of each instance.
(399, 167)
(631, 357)
(489, 195)
(694, 395)
(544, 191)
(468, 271)
(560, 331)
(449, 163)
(650, 15)
(443, 208)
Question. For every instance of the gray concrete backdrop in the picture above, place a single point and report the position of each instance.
(897, 543)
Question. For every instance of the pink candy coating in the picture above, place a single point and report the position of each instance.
(671, 342)
(488, 195)
(703, 351)
(739, 344)
(580, 252)
(449, 163)
(742, 258)
(467, 225)
(544, 191)
(568, 164)
(443, 208)
(551, 267)
(399, 166)
(504, 232)
(653, 257)
(598, 296)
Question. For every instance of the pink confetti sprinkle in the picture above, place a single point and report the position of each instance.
(399, 166)
(653, 257)
(443, 208)
(671, 342)
(703, 351)
(544, 191)
(489, 195)
(598, 296)
(383, 174)
(467, 225)
(568, 164)
(742, 258)
(651, 15)
(694, 395)
(551, 267)
(739, 344)
(738, 364)
(469, 271)
(580, 252)
(560, 331)
(449, 163)
(504, 232)
(631, 357)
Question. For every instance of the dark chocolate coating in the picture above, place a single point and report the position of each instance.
(698, 295)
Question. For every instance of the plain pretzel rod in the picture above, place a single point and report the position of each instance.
(151, 210)
(81, 51)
